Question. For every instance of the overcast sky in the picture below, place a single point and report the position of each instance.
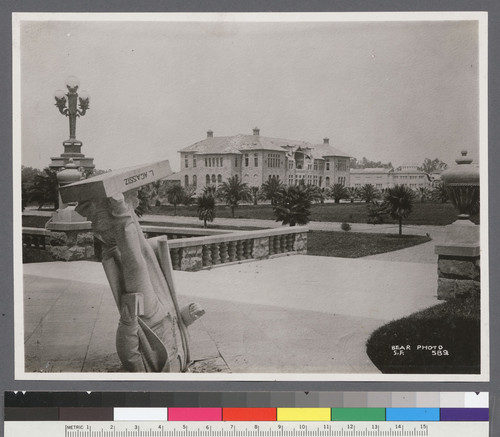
(390, 91)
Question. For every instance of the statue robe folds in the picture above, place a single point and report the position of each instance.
(152, 332)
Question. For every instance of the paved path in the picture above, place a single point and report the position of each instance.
(297, 314)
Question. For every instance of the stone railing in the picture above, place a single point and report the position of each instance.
(172, 232)
(196, 253)
(34, 238)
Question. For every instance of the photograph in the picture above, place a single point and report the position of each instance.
(251, 196)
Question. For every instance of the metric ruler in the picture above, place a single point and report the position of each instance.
(238, 429)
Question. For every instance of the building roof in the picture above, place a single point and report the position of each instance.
(371, 170)
(238, 144)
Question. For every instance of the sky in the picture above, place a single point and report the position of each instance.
(389, 91)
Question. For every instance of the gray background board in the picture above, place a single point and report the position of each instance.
(7, 381)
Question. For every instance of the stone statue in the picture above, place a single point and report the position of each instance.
(152, 332)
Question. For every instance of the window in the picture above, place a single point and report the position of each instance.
(309, 179)
(213, 162)
(246, 159)
(327, 165)
(186, 162)
(236, 161)
(290, 180)
(341, 180)
(315, 180)
(213, 179)
(315, 164)
(256, 159)
(273, 160)
(290, 164)
(341, 165)
(207, 180)
(320, 180)
(186, 180)
(195, 181)
(309, 166)
(219, 179)
(206, 162)
(194, 161)
(327, 181)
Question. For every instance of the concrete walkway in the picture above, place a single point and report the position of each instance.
(300, 314)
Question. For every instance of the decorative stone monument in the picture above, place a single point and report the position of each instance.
(152, 333)
(71, 237)
(459, 256)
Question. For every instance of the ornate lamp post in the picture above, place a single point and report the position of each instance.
(72, 104)
(72, 98)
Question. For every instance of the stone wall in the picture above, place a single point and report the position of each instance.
(70, 245)
(458, 276)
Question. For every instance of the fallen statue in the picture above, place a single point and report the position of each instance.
(152, 333)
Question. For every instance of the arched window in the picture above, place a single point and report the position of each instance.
(213, 179)
(219, 178)
(195, 180)
(207, 180)
(186, 180)
(327, 181)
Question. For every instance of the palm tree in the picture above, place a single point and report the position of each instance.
(175, 195)
(422, 193)
(316, 193)
(269, 190)
(255, 193)
(337, 192)
(233, 191)
(293, 205)
(352, 193)
(439, 193)
(206, 208)
(368, 193)
(210, 190)
(398, 201)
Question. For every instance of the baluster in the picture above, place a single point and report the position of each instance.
(239, 250)
(232, 251)
(276, 242)
(289, 242)
(271, 245)
(206, 256)
(215, 254)
(223, 253)
(247, 249)
(282, 239)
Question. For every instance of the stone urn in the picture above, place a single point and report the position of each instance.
(462, 184)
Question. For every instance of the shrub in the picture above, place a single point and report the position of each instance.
(345, 227)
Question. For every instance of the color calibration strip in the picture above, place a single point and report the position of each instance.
(272, 406)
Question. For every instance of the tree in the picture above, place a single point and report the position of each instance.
(28, 175)
(233, 191)
(44, 189)
(206, 208)
(269, 190)
(175, 195)
(398, 201)
(337, 192)
(368, 193)
(423, 193)
(431, 165)
(254, 192)
(293, 205)
(439, 193)
(366, 163)
(210, 190)
(353, 193)
(189, 195)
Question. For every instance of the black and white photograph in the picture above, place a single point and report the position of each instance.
(251, 196)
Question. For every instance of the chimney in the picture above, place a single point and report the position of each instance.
(210, 134)
(326, 140)
(256, 131)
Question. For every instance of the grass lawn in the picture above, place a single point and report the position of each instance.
(358, 244)
(427, 213)
(453, 325)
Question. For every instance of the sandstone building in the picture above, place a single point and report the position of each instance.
(256, 158)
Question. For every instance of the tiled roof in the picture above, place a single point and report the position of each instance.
(370, 170)
(238, 144)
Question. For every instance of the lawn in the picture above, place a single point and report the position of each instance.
(448, 335)
(427, 213)
(358, 244)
